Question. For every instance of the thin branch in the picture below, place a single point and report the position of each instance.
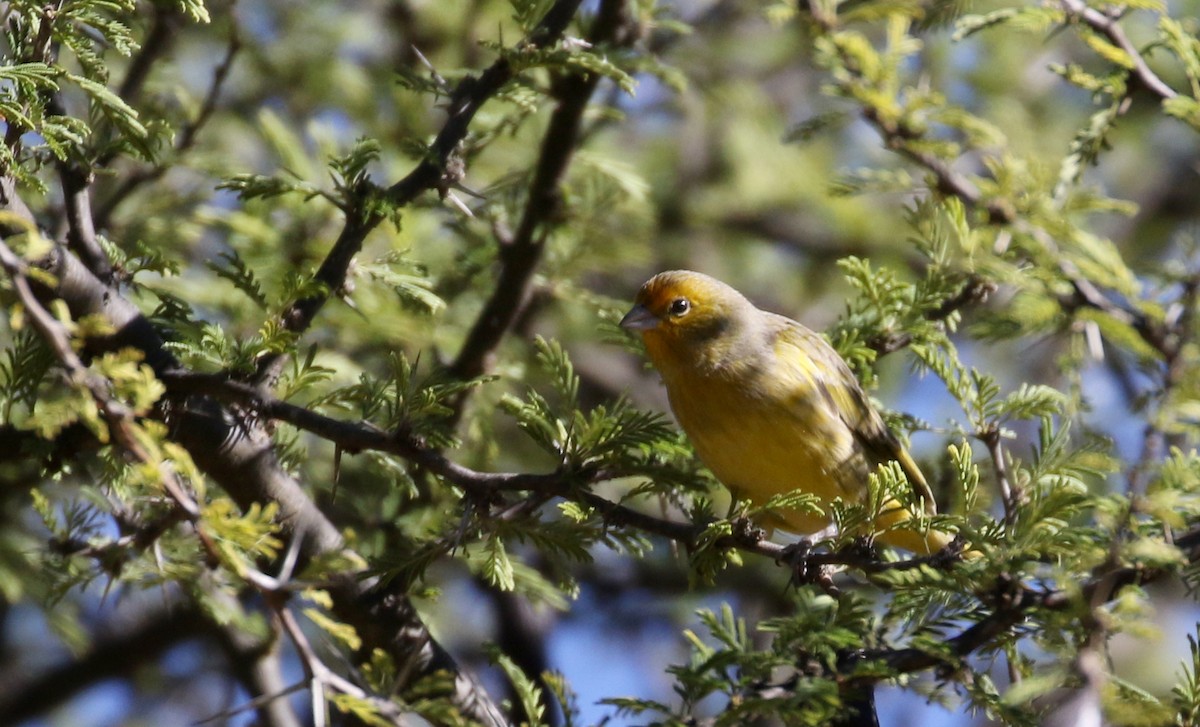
(320, 675)
(76, 180)
(258, 703)
(902, 139)
(163, 31)
(520, 255)
(240, 456)
(1013, 603)
(188, 135)
(899, 139)
(116, 415)
(1107, 25)
(255, 660)
(976, 289)
(135, 537)
(1154, 437)
(471, 93)
(1011, 494)
(570, 485)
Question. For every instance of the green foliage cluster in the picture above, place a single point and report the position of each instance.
(388, 260)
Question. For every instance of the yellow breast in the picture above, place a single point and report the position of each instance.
(760, 447)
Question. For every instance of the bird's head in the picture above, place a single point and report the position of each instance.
(681, 313)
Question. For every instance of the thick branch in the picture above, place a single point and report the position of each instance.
(240, 456)
(81, 230)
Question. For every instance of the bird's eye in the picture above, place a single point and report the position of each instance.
(679, 306)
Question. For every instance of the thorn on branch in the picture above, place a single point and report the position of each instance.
(441, 82)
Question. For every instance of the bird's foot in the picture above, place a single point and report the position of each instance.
(863, 547)
(804, 571)
(954, 552)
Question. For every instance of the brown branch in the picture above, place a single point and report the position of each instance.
(118, 417)
(240, 456)
(520, 255)
(949, 182)
(975, 290)
(900, 139)
(255, 661)
(1167, 338)
(81, 230)
(164, 29)
(1086, 295)
(1107, 25)
(135, 537)
(356, 437)
(76, 179)
(1011, 494)
(1015, 601)
(467, 98)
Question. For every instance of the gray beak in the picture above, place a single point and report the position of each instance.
(639, 318)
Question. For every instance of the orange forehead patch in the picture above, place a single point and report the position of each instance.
(658, 292)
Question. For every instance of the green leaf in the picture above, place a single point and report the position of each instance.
(343, 633)
(1184, 108)
(114, 108)
(258, 186)
(525, 688)
(238, 272)
(496, 566)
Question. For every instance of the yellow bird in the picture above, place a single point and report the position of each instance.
(769, 406)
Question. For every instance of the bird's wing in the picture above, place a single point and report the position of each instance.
(841, 389)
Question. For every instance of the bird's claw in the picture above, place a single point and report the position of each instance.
(864, 547)
(795, 554)
(954, 552)
(804, 572)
